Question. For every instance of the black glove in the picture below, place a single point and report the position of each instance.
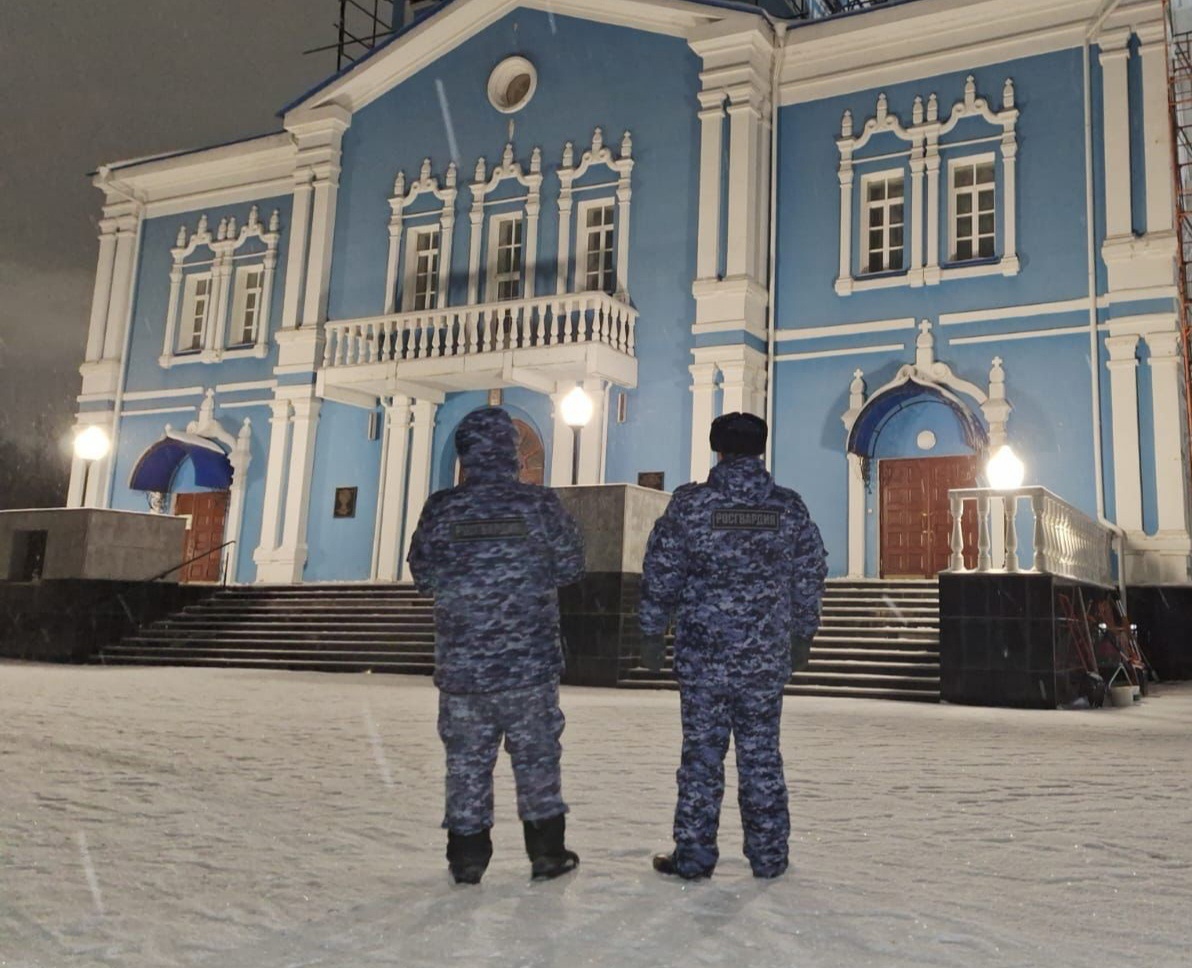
(653, 652)
(800, 653)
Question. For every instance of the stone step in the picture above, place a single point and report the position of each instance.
(150, 641)
(339, 654)
(796, 689)
(282, 627)
(293, 665)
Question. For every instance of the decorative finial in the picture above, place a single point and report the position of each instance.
(917, 113)
(858, 384)
(933, 108)
(883, 107)
(399, 185)
(569, 155)
(425, 174)
(846, 125)
(627, 145)
(452, 174)
(970, 91)
(481, 170)
(202, 229)
(1008, 94)
(254, 217)
(597, 140)
(180, 242)
(223, 229)
(232, 227)
(507, 157)
(536, 160)
(275, 221)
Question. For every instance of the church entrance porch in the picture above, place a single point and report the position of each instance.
(916, 517)
(206, 514)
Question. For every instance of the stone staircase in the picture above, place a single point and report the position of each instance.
(325, 628)
(877, 640)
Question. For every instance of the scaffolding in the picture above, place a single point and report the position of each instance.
(1179, 67)
(362, 24)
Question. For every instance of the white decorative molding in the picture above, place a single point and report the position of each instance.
(996, 407)
(483, 185)
(1166, 364)
(926, 266)
(856, 480)
(1123, 399)
(703, 410)
(502, 95)
(421, 460)
(239, 456)
(1115, 119)
(391, 496)
(403, 197)
(224, 245)
(711, 153)
(569, 173)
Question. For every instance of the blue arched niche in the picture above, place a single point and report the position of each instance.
(889, 423)
(157, 466)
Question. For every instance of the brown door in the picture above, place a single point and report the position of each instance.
(207, 513)
(531, 455)
(916, 522)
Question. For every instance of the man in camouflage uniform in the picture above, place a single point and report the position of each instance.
(493, 552)
(741, 565)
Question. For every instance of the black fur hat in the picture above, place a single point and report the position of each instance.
(742, 434)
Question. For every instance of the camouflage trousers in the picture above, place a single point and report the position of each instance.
(472, 726)
(751, 716)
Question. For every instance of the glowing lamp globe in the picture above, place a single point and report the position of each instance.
(576, 408)
(92, 444)
(1004, 470)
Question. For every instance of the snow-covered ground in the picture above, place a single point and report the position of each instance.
(241, 819)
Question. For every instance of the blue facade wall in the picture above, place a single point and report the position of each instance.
(589, 75)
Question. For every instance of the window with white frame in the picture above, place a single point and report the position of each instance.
(974, 209)
(506, 257)
(195, 310)
(246, 305)
(422, 268)
(595, 252)
(884, 224)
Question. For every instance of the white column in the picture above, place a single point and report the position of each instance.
(275, 482)
(241, 457)
(703, 405)
(476, 217)
(420, 468)
(931, 273)
(745, 118)
(1127, 469)
(711, 153)
(296, 249)
(856, 518)
(1115, 55)
(393, 263)
(562, 452)
(322, 232)
(844, 280)
(1156, 129)
(591, 438)
(123, 275)
(291, 556)
(1171, 483)
(391, 498)
(101, 297)
(918, 165)
(1010, 199)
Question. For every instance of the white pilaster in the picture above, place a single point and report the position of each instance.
(322, 231)
(123, 277)
(1156, 129)
(275, 484)
(744, 140)
(1171, 481)
(392, 493)
(1127, 469)
(420, 468)
(240, 458)
(562, 443)
(289, 561)
(591, 438)
(103, 290)
(1115, 55)
(856, 517)
(931, 271)
(918, 166)
(710, 177)
(703, 408)
(296, 249)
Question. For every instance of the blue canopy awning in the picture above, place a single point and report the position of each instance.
(157, 466)
(862, 439)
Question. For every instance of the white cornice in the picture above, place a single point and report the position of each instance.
(246, 171)
(927, 38)
(442, 32)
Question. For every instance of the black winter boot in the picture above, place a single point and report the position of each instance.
(549, 858)
(665, 864)
(468, 855)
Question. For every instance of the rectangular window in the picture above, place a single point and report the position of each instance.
(506, 258)
(246, 305)
(596, 256)
(195, 302)
(422, 268)
(885, 221)
(974, 209)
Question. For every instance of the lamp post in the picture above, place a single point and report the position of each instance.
(91, 445)
(576, 409)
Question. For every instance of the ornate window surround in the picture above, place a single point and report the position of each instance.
(484, 185)
(569, 174)
(924, 136)
(403, 199)
(222, 266)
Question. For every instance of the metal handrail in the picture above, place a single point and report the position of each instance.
(191, 561)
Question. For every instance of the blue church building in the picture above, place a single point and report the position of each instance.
(909, 235)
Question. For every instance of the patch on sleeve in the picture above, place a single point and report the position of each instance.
(745, 519)
(494, 529)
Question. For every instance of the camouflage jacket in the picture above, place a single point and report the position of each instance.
(493, 552)
(741, 565)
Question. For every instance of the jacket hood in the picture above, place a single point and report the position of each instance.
(742, 479)
(486, 442)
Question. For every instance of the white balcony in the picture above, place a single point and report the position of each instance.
(539, 343)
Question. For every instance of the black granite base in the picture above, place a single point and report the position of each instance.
(1163, 615)
(69, 620)
(601, 636)
(1006, 640)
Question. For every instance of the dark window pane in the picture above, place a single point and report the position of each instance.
(986, 201)
(985, 173)
(986, 248)
(964, 176)
(985, 224)
(896, 188)
(964, 204)
(896, 238)
(964, 250)
(877, 191)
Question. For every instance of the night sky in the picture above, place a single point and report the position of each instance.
(94, 82)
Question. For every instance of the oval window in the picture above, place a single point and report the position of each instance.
(512, 84)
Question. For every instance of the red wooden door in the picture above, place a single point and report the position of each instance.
(916, 517)
(207, 513)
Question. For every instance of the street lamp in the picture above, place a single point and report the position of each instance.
(91, 445)
(1004, 470)
(576, 409)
